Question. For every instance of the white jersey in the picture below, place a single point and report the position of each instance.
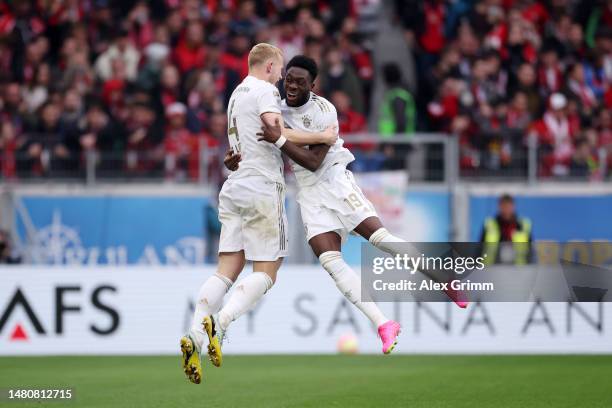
(248, 102)
(314, 116)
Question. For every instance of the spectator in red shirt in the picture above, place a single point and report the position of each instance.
(180, 145)
(555, 137)
(190, 53)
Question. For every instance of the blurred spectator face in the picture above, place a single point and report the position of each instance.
(468, 42)
(550, 59)
(577, 73)
(246, 10)
(174, 22)
(526, 75)
(591, 136)
(43, 75)
(194, 34)
(287, 31)
(316, 28)
(176, 120)
(576, 35)
(72, 101)
(506, 209)
(240, 44)
(50, 115)
(313, 48)
(516, 36)
(170, 77)
(480, 70)
(33, 52)
(162, 36)
(96, 118)
(583, 151)
(12, 95)
(341, 101)
(519, 102)
(69, 47)
(176, 113)
(493, 64)
(123, 41)
(334, 58)
(143, 115)
(218, 124)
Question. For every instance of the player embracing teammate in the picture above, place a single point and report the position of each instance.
(251, 210)
(251, 201)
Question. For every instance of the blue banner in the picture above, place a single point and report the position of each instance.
(559, 218)
(115, 230)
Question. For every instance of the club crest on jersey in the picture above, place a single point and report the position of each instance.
(306, 120)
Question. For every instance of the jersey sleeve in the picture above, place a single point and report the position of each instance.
(324, 115)
(268, 100)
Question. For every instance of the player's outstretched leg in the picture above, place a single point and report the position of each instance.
(385, 241)
(349, 284)
(210, 297)
(209, 300)
(245, 296)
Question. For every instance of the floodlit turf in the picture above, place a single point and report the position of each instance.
(322, 381)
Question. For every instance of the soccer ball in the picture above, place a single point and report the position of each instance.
(347, 344)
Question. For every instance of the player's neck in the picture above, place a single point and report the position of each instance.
(259, 74)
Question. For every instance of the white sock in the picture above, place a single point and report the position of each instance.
(246, 295)
(389, 243)
(349, 284)
(210, 298)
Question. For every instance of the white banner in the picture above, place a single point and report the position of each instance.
(143, 310)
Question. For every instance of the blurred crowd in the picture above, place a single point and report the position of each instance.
(139, 88)
(501, 74)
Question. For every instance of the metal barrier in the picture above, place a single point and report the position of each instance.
(427, 157)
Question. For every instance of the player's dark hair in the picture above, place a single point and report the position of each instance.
(506, 198)
(307, 63)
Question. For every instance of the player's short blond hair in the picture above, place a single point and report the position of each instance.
(261, 52)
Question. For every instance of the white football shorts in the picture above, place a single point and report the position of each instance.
(253, 219)
(334, 203)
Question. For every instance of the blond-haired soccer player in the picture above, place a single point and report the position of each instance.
(251, 210)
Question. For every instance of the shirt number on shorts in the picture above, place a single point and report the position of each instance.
(353, 201)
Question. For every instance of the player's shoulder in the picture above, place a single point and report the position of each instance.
(266, 87)
(321, 104)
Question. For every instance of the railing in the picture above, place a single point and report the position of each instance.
(427, 157)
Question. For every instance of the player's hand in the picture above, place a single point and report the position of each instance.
(232, 160)
(330, 135)
(270, 133)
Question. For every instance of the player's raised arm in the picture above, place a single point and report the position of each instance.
(327, 136)
(310, 159)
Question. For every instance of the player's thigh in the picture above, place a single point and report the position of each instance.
(270, 268)
(346, 200)
(327, 241)
(317, 217)
(230, 217)
(368, 226)
(264, 222)
(231, 264)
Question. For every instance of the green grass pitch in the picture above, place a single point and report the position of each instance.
(320, 381)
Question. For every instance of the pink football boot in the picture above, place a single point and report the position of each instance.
(388, 333)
